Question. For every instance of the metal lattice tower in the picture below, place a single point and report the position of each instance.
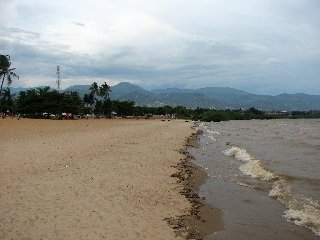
(58, 78)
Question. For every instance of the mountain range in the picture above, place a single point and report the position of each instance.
(207, 97)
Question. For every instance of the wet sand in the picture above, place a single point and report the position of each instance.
(203, 218)
(91, 179)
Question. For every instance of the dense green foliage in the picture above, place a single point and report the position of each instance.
(305, 114)
(7, 101)
(43, 102)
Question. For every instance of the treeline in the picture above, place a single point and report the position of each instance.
(213, 115)
(45, 102)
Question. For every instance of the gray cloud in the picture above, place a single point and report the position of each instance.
(259, 46)
(79, 24)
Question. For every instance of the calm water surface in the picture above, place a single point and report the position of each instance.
(264, 175)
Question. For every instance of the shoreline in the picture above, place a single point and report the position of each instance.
(247, 201)
(203, 218)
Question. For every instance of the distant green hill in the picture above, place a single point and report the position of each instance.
(208, 97)
(81, 89)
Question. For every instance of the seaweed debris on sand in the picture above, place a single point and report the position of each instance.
(203, 219)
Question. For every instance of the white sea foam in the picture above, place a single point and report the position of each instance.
(300, 210)
(243, 184)
(251, 166)
(212, 138)
(213, 132)
(281, 191)
(209, 133)
(254, 169)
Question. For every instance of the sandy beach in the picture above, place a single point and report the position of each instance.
(90, 179)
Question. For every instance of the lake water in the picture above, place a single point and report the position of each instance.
(264, 175)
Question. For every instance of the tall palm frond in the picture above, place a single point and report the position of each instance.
(94, 88)
(5, 71)
(104, 90)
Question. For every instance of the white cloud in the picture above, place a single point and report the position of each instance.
(192, 43)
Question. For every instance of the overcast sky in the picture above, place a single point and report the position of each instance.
(261, 46)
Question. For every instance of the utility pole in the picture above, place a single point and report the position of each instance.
(58, 78)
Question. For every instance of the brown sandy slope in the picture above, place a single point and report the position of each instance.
(90, 179)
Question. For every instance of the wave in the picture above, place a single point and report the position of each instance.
(210, 134)
(300, 210)
(251, 166)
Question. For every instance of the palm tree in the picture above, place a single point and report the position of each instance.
(5, 71)
(94, 88)
(104, 90)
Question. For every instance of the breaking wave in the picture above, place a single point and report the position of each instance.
(251, 166)
(300, 210)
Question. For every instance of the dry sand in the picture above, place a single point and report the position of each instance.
(90, 179)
